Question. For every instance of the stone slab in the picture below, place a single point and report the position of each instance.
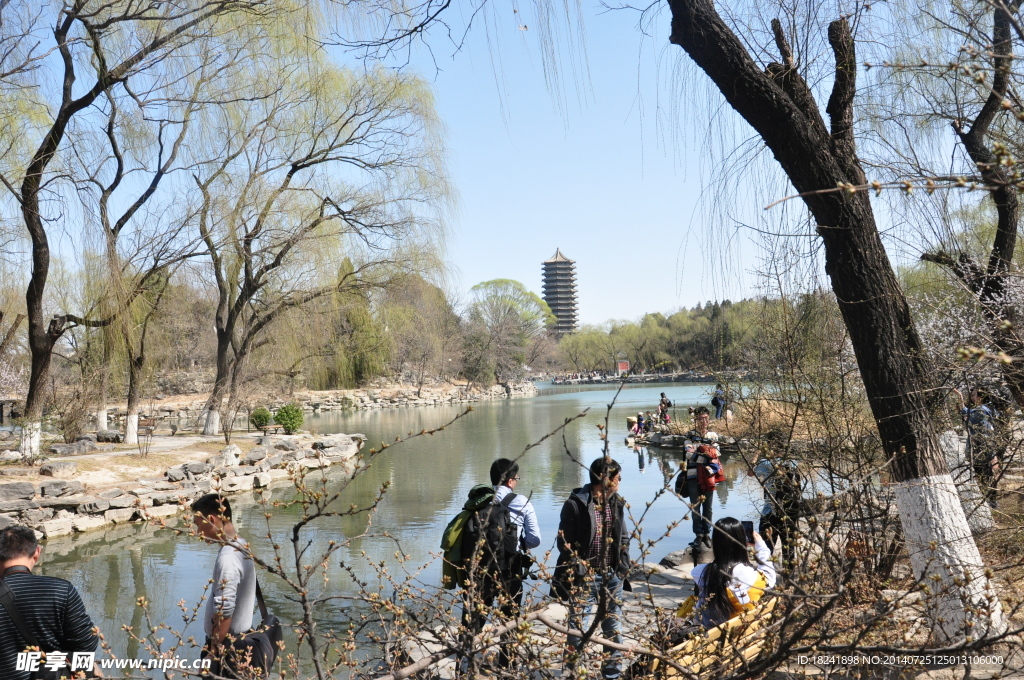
(58, 469)
(119, 515)
(60, 487)
(261, 480)
(119, 502)
(94, 508)
(233, 484)
(162, 511)
(16, 491)
(56, 527)
(87, 523)
(17, 506)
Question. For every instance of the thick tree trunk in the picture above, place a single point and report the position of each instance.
(220, 383)
(131, 426)
(101, 405)
(778, 104)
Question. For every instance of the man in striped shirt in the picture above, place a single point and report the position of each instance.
(51, 607)
(593, 561)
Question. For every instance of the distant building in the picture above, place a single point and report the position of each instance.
(560, 291)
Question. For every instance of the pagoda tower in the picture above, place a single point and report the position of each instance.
(560, 291)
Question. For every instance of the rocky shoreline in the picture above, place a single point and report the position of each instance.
(340, 400)
(63, 505)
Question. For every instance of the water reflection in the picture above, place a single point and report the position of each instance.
(429, 478)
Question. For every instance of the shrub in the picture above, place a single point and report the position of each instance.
(260, 417)
(289, 417)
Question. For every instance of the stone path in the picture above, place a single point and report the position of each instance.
(664, 588)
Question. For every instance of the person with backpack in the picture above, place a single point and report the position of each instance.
(593, 561)
(664, 404)
(784, 503)
(236, 648)
(983, 449)
(703, 465)
(486, 552)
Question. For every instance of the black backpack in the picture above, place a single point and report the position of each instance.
(490, 538)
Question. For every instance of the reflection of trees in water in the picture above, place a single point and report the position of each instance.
(139, 579)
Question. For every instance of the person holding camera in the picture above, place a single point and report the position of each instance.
(701, 450)
(731, 585)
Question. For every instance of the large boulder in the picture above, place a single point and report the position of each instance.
(11, 457)
(122, 501)
(119, 515)
(255, 455)
(233, 484)
(60, 469)
(339, 453)
(176, 474)
(110, 436)
(286, 445)
(199, 469)
(7, 521)
(59, 488)
(17, 491)
(79, 447)
(56, 527)
(334, 440)
(676, 559)
(228, 457)
(37, 515)
(87, 436)
(111, 493)
(94, 507)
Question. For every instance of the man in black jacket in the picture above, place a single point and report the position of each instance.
(593, 559)
(51, 608)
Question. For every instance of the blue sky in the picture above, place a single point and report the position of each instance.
(593, 178)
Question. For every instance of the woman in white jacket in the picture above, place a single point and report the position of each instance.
(730, 584)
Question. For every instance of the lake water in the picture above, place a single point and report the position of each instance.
(429, 478)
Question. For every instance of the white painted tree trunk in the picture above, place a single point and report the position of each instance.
(979, 514)
(131, 428)
(946, 560)
(212, 425)
(31, 435)
(102, 421)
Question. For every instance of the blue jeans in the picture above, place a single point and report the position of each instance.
(719, 410)
(701, 525)
(611, 625)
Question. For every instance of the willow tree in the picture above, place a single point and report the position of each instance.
(960, 88)
(507, 323)
(318, 187)
(820, 160)
(65, 58)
